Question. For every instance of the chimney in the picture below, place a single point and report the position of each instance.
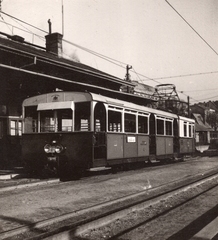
(54, 43)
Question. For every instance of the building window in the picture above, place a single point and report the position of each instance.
(15, 127)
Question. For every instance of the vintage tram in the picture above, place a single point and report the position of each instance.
(69, 132)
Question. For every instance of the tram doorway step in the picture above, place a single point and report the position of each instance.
(152, 159)
(98, 169)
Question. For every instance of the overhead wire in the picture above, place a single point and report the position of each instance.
(24, 22)
(203, 90)
(138, 74)
(111, 60)
(6, 24)
(114, 61)
(18, 22)
(119, 63)
(192, 28)
(23, 30)
(186, 75)
(21, 25)
(2, 16)
(27, 30)
(207, 98)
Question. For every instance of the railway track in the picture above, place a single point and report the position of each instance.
(20, 182)
(118, 217)
(16, 181)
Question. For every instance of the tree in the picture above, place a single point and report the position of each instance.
(212, 119)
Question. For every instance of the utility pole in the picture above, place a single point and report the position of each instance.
(1, 10)
(63, 17)
(128, 67)
(188, 106)
(1, 6)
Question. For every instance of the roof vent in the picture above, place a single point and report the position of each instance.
(17, 38)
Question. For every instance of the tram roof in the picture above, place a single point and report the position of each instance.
(129, 105)
(62, 96)
(185, 119)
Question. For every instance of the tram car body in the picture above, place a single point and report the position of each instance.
(69, 132)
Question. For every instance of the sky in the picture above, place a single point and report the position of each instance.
(165, 42)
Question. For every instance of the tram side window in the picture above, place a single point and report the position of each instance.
(114, 121)
(12, 127)
(185, 129)
(142, 124)
(30, 119)
(82, 116)
(191, 134)
(169, 131)
(130, 122)
(99, 117)
(1, 128)
(160, 126)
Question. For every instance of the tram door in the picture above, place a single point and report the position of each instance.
(99, 135)
(3, 147)
(152, 146)
(10, 142)
(176, 136)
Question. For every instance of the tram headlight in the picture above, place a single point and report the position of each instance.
(47, 148)
(59, 148)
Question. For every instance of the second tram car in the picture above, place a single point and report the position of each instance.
(68, 132)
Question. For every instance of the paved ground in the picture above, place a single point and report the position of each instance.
(33, 204)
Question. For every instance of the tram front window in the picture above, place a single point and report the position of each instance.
(30, 119)
(56, 121)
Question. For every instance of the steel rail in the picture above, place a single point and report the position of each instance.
(128, 217)
(108, 210)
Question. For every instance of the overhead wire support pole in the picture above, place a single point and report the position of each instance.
(128, 67)
(63, 17)
(188, 100)
(1, 7)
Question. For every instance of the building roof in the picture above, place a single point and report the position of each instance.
(200, 125)
(38, 71)
(26, 52)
